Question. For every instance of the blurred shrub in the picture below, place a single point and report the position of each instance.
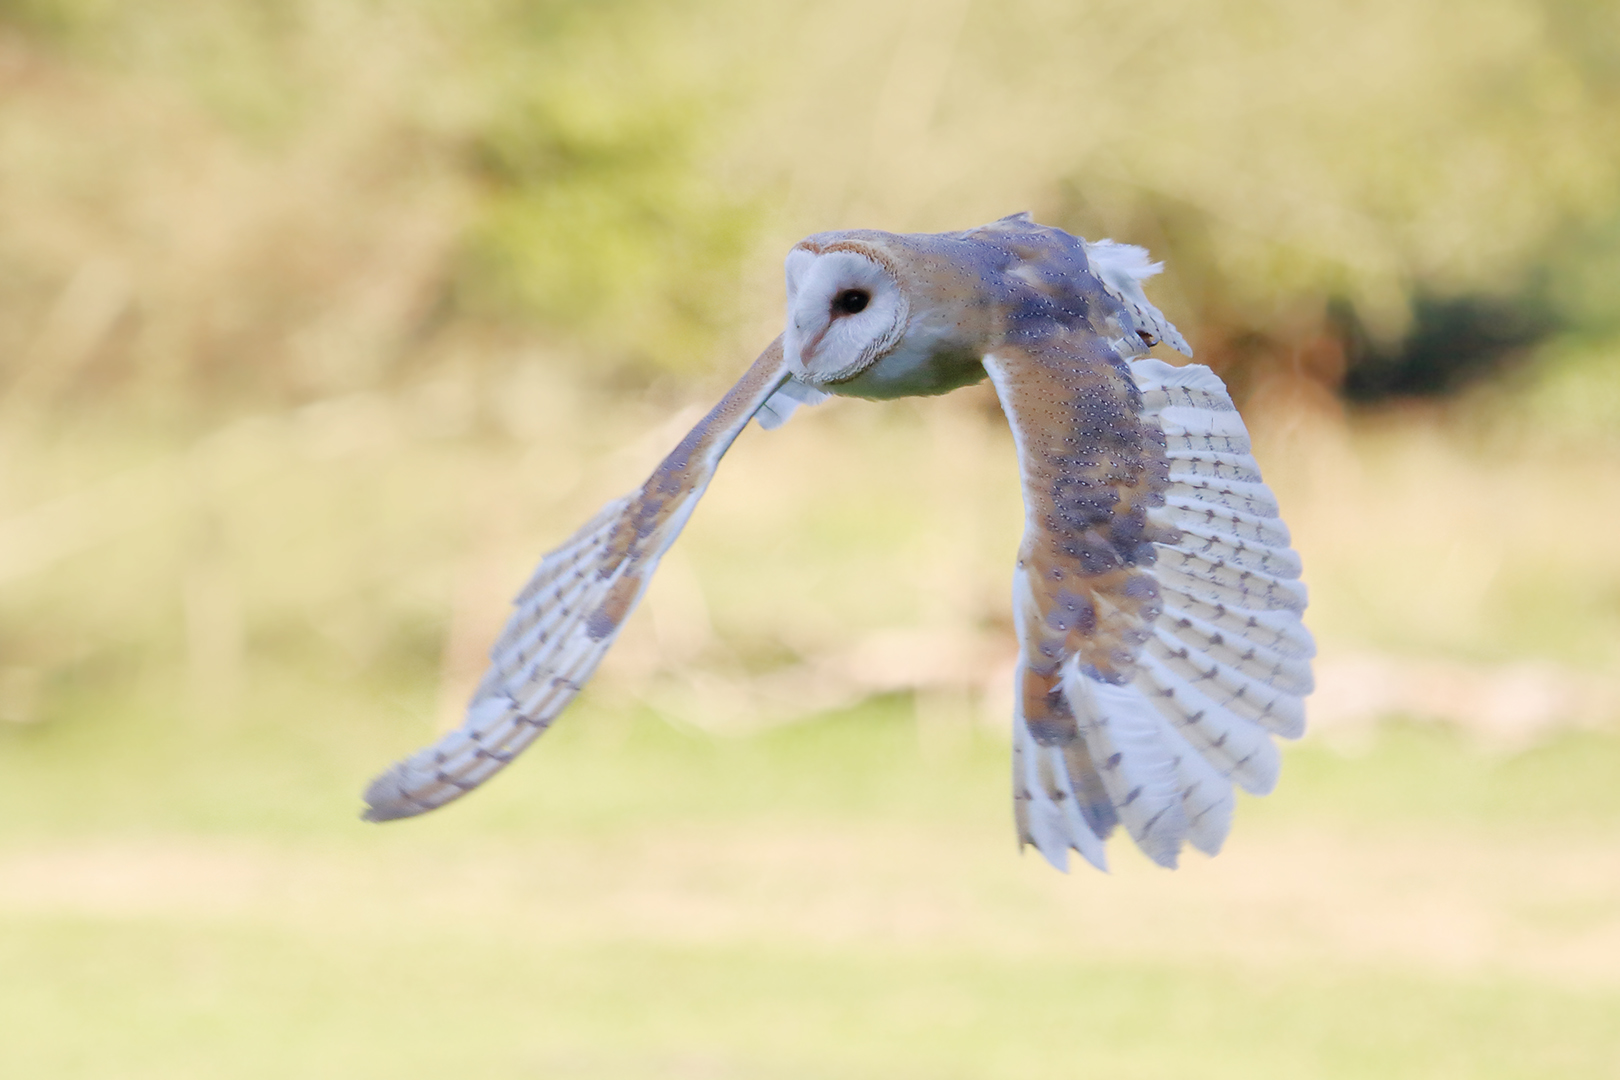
(256, 203)
(244, 200)
(595, 211)
(1451, 342)
(406, 235)
(1277, 155)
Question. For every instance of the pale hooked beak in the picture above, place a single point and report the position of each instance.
(806, 339)
(803, 336)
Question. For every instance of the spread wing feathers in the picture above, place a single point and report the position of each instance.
(1051, 811)
(570, 613)
(1153, 731)
(1131, 766)
(1122, 268)
(780, 405)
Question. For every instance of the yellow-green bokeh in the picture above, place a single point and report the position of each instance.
(320, 321)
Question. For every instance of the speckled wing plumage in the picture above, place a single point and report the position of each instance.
(1156, 598)
(571, 611)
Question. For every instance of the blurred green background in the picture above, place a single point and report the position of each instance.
(320, 320)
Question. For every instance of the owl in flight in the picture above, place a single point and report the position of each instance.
(1156, 598)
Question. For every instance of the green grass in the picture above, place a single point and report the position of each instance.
(152, 998)
(836, 898)
(292, 763)
(186, 889)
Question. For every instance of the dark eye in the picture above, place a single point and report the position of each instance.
(851, 301)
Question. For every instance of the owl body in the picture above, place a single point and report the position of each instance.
(1155, 594)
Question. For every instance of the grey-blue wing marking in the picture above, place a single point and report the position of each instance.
(1157, 602)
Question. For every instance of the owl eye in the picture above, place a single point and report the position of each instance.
(851, 301)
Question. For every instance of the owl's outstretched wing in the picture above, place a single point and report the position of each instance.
(1157, 603)
(571, 611)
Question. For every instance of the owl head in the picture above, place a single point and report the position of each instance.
(846, 307)
(881, 315)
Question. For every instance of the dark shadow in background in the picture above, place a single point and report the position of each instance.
(1453, 342)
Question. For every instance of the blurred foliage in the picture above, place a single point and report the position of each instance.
(1452, 342)
(245, 204)
(282, 282)
(1582, 267)
(1277, 156)
(249, 202)
(596, 212)
(312, 314)
(320, 319)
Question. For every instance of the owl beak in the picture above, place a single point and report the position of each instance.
(812, 345)
(806, 338)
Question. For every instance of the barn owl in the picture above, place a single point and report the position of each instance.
(1156, 598)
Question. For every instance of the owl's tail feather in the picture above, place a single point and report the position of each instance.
(570, 613)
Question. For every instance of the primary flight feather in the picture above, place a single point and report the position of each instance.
(1156, 598)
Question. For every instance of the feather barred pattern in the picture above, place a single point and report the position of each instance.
(1053, 813)
(1224, 666)
(1157, 597)
(1138, 770)
(542, 659)
(571, 611)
